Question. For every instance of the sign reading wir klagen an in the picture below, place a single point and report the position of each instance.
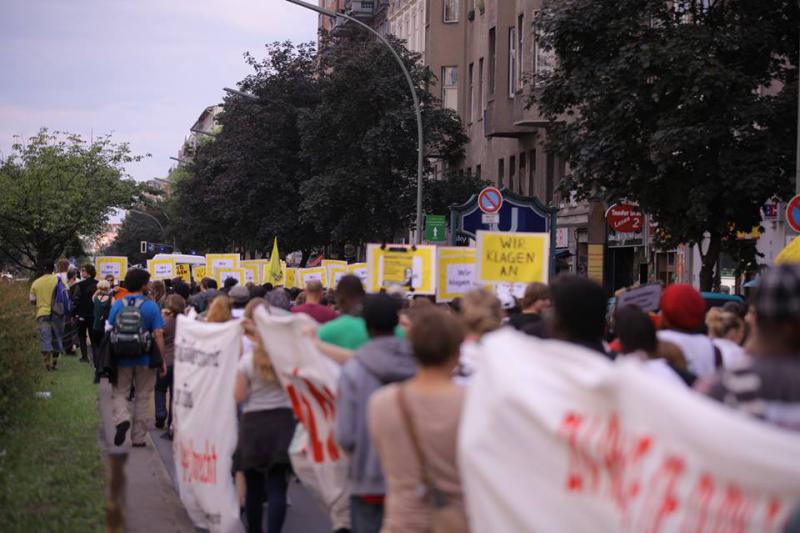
(505, 257)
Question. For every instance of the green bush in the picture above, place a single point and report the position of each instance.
(20, 361)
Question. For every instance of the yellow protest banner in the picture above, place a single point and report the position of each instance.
(253, 270)
(215, 261)
(404, 266)
(505, 257)
(184, 272)
(334, 270)
(456, 267)
(221, 274)
(304, 275)
(111, 266)
(359, 270)
(162, 268)
(290, 278)
(198, 273)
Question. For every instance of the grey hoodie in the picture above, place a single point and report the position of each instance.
(381, 361)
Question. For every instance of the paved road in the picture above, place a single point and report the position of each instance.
(152, 502)
(304, 515)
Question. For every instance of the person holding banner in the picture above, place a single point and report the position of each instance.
(266, 429)
(414, 427)
(481, 313)
(579, 312)
(384, 359)
(174, 305)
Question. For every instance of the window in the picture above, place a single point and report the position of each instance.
(532, 173)
(478, 171)
(480, 90)
(451, 10)
(522, 173)
(470, 103)
(492, 59)
(544, 60)
(450, 88)
(512, 172)
(512, 61)
(501, 170)
(520, 53)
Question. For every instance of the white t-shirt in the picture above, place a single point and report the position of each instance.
(697, 349)
(263, 395)
(733, 355)
(658, 368)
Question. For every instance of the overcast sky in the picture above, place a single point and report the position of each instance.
(142, 70)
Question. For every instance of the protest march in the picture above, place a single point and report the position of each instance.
(449, 389)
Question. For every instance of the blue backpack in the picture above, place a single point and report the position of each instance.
(61, 304)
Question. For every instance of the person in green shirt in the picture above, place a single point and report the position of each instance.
(50, 327)
(339, 338)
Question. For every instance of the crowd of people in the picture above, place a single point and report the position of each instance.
(406, 364)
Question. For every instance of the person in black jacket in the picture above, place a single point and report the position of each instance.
(83, 307)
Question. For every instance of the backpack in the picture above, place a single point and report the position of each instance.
(61, 304)
(129, 338)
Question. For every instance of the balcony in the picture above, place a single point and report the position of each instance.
(361, 9)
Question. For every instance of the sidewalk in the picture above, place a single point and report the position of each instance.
(151, 501)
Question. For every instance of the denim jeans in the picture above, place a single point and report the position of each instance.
(365, 517)
(164, 409)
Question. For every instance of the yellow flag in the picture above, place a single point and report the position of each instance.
(275, 273)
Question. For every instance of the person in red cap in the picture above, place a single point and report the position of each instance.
(683, 313)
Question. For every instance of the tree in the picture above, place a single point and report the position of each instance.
(137, 226)
(57, 187)
(452, 190)
(686, 107)
(244, 187)
(360, 143)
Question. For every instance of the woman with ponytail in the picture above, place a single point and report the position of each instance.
(265, 431)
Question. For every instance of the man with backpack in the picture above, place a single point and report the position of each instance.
(136, 323)
(51, 299)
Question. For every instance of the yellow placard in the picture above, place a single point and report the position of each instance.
(254, 269)
(184, 272)
(215, 261)
(359, 270)
(407, 267)
(111, 266)
(334, 269)
(595, 267)
(506, 257)
(290, 278)
(221, 274)
(790, 254)
(304, 275)
(198, 273)
(162, 268)
(456, 266)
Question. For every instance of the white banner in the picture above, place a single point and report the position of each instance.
(205, 421)
(310, 380)
(557, 438)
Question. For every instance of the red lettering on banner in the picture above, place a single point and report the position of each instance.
(305, 396)
(734, 512)
(699, 505)
(200, 467)
(773, 509)
(662, 500)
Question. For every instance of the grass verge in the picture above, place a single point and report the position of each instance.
(51, 475)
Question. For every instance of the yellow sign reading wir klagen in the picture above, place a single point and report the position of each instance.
(505, 257)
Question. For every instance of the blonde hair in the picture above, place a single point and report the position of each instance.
(720, 322)
(219, 310)
(481, 311)
(103, 285)
(262, 364)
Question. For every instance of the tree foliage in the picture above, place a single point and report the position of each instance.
(141, 224)
(688, 108)
(57, 187)
(325, 155)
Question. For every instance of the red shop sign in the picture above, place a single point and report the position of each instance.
(625, 218)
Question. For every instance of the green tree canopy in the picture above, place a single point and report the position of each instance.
(57, 187)
(687, 107)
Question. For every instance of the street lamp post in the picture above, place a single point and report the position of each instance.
(163, 233)
(417, 109)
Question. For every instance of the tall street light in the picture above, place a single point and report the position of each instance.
(417, 109)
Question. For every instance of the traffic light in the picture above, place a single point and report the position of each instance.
(143, 247)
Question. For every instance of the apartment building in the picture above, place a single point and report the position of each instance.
(485, 56)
